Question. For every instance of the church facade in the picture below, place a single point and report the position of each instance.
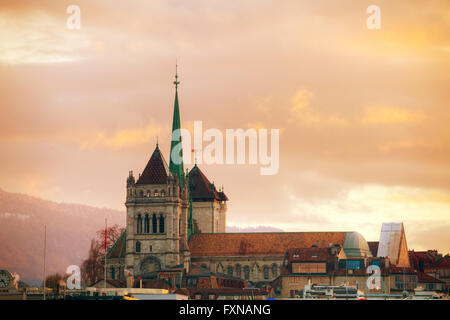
(176, 219)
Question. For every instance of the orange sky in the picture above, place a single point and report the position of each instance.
(363, 114)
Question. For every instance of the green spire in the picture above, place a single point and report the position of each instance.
(176, 169)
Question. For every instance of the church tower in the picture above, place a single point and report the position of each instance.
(158, 210)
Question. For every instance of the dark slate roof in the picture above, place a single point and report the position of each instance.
(156, 171)
(118, 250)
(373, 247)
(264, 243)
(201, 188)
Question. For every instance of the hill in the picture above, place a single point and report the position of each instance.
(70, 228)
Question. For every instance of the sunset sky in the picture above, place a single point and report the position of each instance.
(363, 114)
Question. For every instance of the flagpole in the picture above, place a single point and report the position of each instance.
(45, 245)
(106, 230)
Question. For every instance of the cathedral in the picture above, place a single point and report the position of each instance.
(176, 222)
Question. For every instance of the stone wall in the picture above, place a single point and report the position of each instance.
(257, 266)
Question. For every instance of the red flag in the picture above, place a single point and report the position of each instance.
(106, 231)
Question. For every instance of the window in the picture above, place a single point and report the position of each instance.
(150, 248)
(274, 270)
(139, 224)
(309, 267)
(246, 272)
(351, 264)
(238, 270)
(148, 193)
(376, 263)
(266, 272)
(141, 194)
(156, 193)
(161, 224)
(163, 193)
(154, 223)
(113, 273)
(138, 246)
(230, 270)
(147, 224)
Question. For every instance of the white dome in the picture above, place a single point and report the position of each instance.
(356, 246)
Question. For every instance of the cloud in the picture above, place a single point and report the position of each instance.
(39, 38)
(302, 111)
(392, 115)
(123, 138)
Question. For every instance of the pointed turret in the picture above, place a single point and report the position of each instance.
(201, 189)
(176, 151)
(156, 171)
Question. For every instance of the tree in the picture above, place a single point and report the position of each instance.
(92, 268)
(55, 281)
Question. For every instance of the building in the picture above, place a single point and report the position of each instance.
(176, 220)
(9, 288)
(431, 265)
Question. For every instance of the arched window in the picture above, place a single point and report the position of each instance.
(138, 246)
(154, 224)
(156, 193)
(274, 270)
(148, 194)
(161, 224)
(266, 272)
(113, 273)
(141, 194)
(230, 270)
(247, 273)
(238, 270)
(139, 224)
(147, 224)
(163, 193)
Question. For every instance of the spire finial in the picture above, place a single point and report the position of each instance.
(176, 82)
(195, 157)
(157, 141)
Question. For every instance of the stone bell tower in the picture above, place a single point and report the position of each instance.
(158, 211)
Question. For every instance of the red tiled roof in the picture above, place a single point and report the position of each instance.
(152, 284)
(444, 262)
(309, 254)
(156, 171)
(276, 243)
(401, 270)
(425, 278)
(201, 188)
(373, 247)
